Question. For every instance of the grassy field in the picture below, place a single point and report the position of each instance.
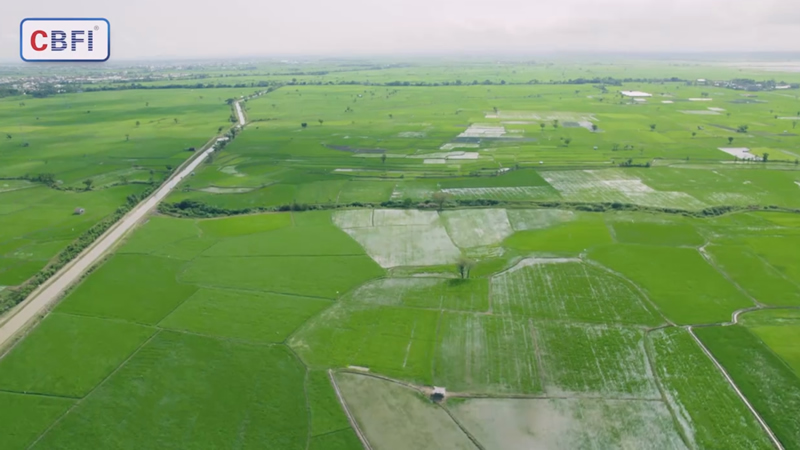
(768, 382)
(89, 151)
(536, 248)
(707, 409)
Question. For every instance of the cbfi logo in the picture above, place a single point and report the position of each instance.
(64, 40)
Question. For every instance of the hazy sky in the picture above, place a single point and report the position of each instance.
(194, 29)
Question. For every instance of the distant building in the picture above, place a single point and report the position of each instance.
(79, 211)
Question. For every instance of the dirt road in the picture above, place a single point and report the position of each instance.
(39, 301)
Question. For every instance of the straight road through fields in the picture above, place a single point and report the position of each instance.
(42, 298)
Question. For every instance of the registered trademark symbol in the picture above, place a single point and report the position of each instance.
(96, 28)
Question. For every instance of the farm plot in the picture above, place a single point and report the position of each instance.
(672, 233)
(595, 360)
(138, 288)
(395, 417)
(566, 238)
(568, 290)
(475, 228)
(243, 315)
(68, 355)
(686, 289)
(24, 417)
(243, 225)
(393, 341)
(710, 413)
(323, 240)
(534, 219)
(327, 415)
(183, 391)
(613, 185)
(780, 330)
(324, 276)
(421, 292)
(412, 245)
(486, 354)
(755, 275)
(524, 424)
(158, 232)
(509, 193)
(772, 387)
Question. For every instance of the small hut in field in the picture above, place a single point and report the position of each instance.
(79, 211)
(438, 393)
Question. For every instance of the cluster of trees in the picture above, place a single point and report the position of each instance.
(629, 163)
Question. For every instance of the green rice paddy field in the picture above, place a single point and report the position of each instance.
(122, 142)
(652, 324)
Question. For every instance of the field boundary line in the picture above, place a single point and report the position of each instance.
(88, 394)
(630, 282)
(305, 394)
(659, 385)
(710, 261)
(39, 394)
(741, 395)
(463, 429)
(347, 412)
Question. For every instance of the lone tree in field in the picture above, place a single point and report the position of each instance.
(320, 121)
(137, 124)
(567, 142)
(383, 158)
(464, 265)
(88, 183)
(555, 123)
(303, 124)
(730, 140)
(694, 133)
(652, 127)
(176, 120)
(169, 168)
(742, 129)
(127, 137)
(440, 198)
(594, 127)
(542, 125)
(766, 157)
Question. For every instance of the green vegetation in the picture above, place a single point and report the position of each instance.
(221, 392)
(138, 288)
(99, 153)
(678, 280)
(780, 330)
(708, 410)
(23, 418)
(486, 354)
(769, 383)
(69, 355)
(571, 237)
(242, 315)
(522, 235)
